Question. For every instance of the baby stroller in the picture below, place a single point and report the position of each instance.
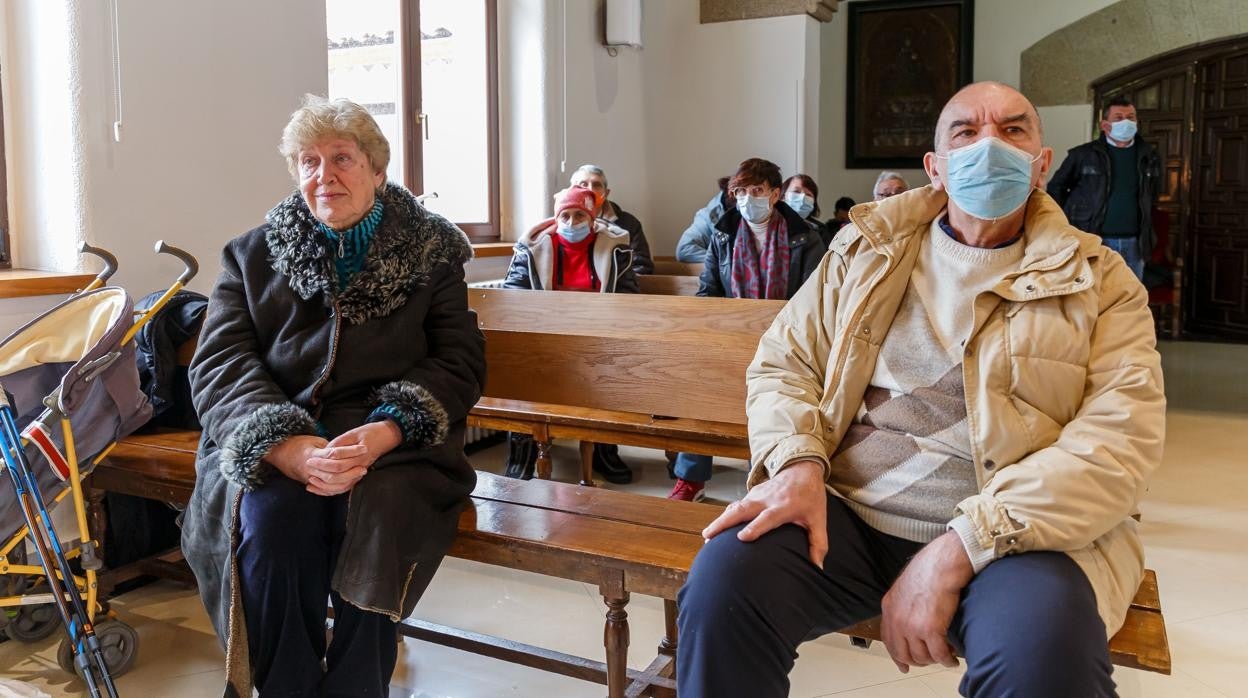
(70, 391)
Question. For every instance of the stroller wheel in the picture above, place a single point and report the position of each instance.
(118, 642)
(32, 623)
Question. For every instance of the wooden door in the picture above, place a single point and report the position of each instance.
(1193, 106)
(1218, 230)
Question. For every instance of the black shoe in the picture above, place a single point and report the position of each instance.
(607, 462)
(521, 456)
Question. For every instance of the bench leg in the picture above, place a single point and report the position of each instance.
(544, 464)
(587, 463)
(667, 647)
(615, 637)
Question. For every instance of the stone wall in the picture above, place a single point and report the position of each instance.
(1059, 68)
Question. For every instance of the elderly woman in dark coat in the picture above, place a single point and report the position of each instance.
(335, 369)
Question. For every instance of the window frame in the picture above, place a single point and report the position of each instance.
(6, 257)
(412, 119)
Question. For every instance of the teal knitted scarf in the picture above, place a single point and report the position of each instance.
(350, 246)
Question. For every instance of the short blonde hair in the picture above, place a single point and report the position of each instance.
(321, 117)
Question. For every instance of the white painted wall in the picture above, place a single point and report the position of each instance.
(1003, 30)
(207, 88)
(664, 122)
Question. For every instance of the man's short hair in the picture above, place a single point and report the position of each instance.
(1115, 101)
(589, 170)
(844, 203)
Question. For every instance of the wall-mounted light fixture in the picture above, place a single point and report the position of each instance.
(623, 20)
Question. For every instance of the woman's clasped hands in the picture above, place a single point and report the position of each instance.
(330, 468)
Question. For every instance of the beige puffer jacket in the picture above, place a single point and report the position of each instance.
(1063, 384)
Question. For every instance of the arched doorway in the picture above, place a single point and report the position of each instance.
(1193, 105)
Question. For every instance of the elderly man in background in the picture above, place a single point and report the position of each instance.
(592, 177)
(888, 184)
(951, 423)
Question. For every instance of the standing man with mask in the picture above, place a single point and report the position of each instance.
(950, 424)
(592, 177)
(1108, 186)
(761, 248)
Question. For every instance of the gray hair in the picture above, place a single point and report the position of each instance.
(321, 117)
(589, 170)
(885, 176)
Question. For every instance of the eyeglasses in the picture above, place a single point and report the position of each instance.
(757, 191)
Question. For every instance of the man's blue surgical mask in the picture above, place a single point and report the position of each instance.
(1122, 131)
(989, 178)
(754, 209)
(803, 204)
(573, 233)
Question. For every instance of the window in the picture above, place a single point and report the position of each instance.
(427, 70)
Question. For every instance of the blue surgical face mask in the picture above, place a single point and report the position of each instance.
(989, 178)
(573, 233)
(801, 203)
(1122, 131)
(754, 209)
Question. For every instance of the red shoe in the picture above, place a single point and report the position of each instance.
(687, 491)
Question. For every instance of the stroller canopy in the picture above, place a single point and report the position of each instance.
(83, 329)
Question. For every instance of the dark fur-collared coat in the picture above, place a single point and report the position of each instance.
(282, 349)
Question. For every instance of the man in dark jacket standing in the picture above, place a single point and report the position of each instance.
(592, 177)
(1107, 187)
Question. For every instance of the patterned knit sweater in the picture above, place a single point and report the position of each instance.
(905, 462)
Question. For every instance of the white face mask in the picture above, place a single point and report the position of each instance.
(573, 233)
(1122, 131)
(989, 178)
(801, 203)
(754, 209)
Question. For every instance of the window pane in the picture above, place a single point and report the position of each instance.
(454, 90)
(365, 65)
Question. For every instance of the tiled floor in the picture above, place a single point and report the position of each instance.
(1195, 529)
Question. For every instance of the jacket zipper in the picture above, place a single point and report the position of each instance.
(333, 355)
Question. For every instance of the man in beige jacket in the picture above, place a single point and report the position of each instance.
(951, 424)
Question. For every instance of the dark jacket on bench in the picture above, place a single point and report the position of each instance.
(282, 352)
(806, 248)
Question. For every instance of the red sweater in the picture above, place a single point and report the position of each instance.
(574, 264)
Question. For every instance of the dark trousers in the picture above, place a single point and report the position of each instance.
(289, 541)
(1027, 624)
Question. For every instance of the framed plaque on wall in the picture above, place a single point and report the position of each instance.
(906, 59)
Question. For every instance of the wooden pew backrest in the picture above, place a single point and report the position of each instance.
(668, 285)
(674, 268)
(669, 356)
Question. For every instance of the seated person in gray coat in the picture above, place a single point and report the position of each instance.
(335, 369)
(574, 251)
(691, 249)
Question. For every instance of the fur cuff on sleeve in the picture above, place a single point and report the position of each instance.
(424, 420)
(244, 450)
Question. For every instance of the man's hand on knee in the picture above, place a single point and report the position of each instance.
(796, 495)
(922, 602)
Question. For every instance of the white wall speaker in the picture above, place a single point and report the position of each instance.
(623, 18)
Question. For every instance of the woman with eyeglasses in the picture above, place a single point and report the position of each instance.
(761, 248)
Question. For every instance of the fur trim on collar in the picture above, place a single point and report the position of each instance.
(410, 243)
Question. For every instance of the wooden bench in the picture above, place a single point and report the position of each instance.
(601, 368)
(668, 285)
(621, 542)
(672, 267)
